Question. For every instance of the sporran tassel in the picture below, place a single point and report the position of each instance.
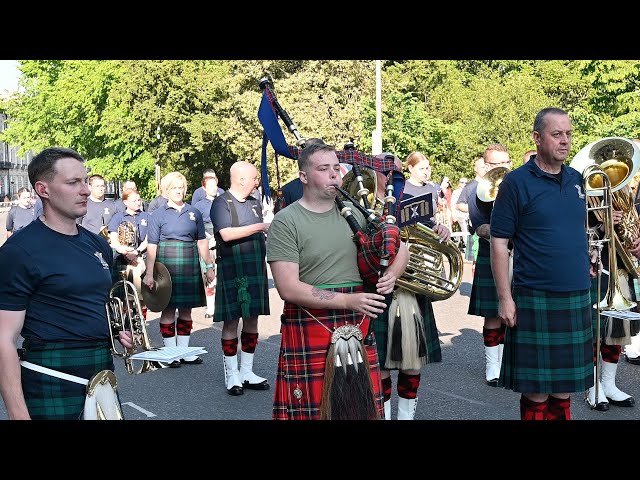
(347, 390)
(406, 333)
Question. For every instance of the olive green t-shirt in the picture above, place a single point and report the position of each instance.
(320, 243)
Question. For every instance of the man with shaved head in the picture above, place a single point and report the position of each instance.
(242, 289)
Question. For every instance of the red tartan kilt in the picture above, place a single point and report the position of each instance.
(301, 363)
(383, 240)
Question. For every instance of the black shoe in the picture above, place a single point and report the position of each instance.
(197, 361)
(493, 382)
(627, 402)
(601, 407)
(256, 386)
(174, 364)
(235, 390)
(633, 360)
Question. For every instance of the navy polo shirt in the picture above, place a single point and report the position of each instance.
(546, 221)
(204, 206)
(98, 214)
(200, 194)
(167, 223)
(140, 220)
(19, 217)
(479, 211)
(249, 212)
(63, 288)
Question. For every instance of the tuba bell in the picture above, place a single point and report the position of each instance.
(487, 189)
(619, 159)
(124, 313)
(427, 272)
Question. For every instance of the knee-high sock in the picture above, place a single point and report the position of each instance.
(408, 385)
(610, 353)
(558, 408)
(386, 388)
(230, 347)
(168, 330)
(492, 336)
(184, 327)
(249, 341)
(530, 410)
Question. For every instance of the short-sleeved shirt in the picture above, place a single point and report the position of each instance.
(98, 214)
(63, 288)
(545, 218)
(479, 211)
(156, 203)
(249, 212)
(466, 192)
(167, 223)
(19, 217)
(140, 220)
(200, 194)
(292, 191)
(120, 206)
(204, 206)
(411, 190)
(320, 243)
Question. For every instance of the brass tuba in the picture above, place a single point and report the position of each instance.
(427, 272)
(619, 159)
(124, 313)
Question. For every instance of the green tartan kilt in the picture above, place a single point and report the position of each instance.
(183, 262)
(52, 398)
(484, 295)
(381, 330)
(550, 350)
(242, 286)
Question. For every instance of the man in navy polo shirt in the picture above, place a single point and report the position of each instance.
(99, 209)
(541, 208)
(55, 302)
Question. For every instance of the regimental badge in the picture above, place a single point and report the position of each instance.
(143, 222)
(579, 188)
(192, 216)
(255, 212)
(105, 265)
(106, 210)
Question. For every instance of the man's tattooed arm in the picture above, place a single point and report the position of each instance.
(323, 294)
(484, 231)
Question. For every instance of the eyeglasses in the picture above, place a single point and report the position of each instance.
(497, 164)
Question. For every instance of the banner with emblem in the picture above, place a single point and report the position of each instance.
(415, 209)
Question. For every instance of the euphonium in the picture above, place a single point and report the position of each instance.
(124, 313)
(427, 273)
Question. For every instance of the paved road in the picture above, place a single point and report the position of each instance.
(451, 390)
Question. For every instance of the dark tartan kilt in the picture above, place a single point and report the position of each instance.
(52, 398)
(303, 354)
(244, 270)
(550, 350)
(484, 295)
(183, 262)
(381, 329)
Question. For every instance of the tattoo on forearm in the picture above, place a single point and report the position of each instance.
(322, 294)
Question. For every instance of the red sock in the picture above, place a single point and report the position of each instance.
(408, 385)
(530, 410)
(559, 408)
(610, 353)
(386, 388)
(184, 327)
(230, 347)
(168, 330)
(249, 341)
(492, 336)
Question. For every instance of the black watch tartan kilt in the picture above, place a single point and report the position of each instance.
(183, 263)
(550, 350)
(53, 398)
(484, 295)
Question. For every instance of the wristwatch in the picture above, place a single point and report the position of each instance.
(209, 265)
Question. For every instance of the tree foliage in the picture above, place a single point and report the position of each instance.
(126, 117)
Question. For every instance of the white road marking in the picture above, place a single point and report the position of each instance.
(459, 397)
(140, 409)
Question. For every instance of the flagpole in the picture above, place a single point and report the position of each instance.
(376, 135)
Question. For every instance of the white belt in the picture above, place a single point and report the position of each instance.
(53, 373)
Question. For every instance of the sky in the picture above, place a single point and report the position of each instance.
(9, 74)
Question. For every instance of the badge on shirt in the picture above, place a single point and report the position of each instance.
(192, 216)
(255, 212)
(143, 222)
(106, 210)
(579, 188)
(105, 265)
